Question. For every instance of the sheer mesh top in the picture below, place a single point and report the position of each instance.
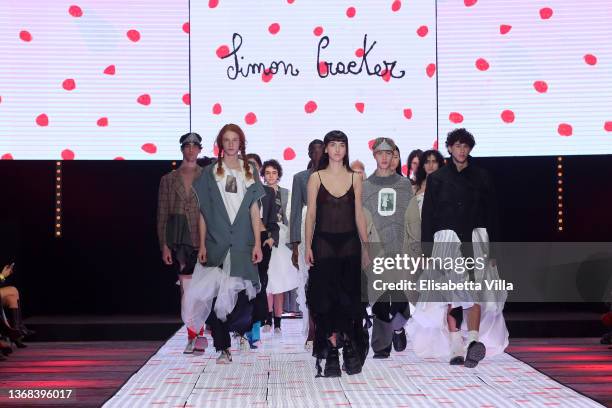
(335, 215)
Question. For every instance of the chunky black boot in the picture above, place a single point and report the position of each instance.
(399, 340)
(332, 363)
(352, 364)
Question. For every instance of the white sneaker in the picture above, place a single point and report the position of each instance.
(266, 328)
(190, 346)
(277, 330)
(225, 357)
(200, 344)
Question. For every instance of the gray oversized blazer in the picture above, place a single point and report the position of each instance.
(221, 235)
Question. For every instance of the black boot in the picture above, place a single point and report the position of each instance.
(352, 364)
(399, 340)
(332, 363)
(9, 332)
(22, 327)
(14, 319)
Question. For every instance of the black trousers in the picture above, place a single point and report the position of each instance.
(260, 303)
(239, 320)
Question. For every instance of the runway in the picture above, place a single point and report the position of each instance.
(282, 374)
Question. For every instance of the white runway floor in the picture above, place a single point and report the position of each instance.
(282, 374)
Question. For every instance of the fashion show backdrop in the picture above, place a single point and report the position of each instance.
(102, 80)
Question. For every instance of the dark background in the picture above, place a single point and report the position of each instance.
(108, 261)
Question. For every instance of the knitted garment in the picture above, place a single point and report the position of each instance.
(387, 198)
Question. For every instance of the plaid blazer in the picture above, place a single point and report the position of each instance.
(173, 199)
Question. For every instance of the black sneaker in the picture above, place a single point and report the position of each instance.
(457, 360)
(351, 364)
(332, 363)
(476, 351)
(399, 340)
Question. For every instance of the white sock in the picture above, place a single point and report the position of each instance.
(472, 336)
(456, 341)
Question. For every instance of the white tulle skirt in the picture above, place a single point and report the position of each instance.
(282, 275)
(208, 283)
(428, 327)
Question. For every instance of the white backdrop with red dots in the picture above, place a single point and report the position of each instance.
(110, 79)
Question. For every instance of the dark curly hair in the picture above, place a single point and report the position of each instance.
(460, 135)
(274, 164)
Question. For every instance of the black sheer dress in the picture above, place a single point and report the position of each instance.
(333, 292)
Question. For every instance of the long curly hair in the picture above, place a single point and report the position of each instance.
(231, 127)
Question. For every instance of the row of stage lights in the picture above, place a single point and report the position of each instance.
(58, 196)
(560, 194)
(58, 199)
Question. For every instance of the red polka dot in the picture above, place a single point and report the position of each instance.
(540, 86)
(396, 5)
(565, 129)
(310, 106)
(405, 169)
(267, 75)
(371, 144)
(213, 3)
(149, 148)
(110, 70)
(68, 84)
(215, 150)
(351, 12)
(133, 35)
(250, 118)
(274, 28)
(590, 59)
(102, 122)
(359, 52)
(223, 51)
(546, 13)
(290, 1)
(322, 68)
(144, 99)
(469, 3)
(422, 31)
(25, 36)
(6, 156)
(482, 64)
(507, 116)
(118, 158)
(608, 126)
(75, 11)
(288, 154)
(360, 106)
(504, 29)
(318, 31)
(187, 99)
(67, 154)
(408, 113)
(455, 117)
(435, 144)
(430, 70)
(216, 109)
(385, 75)
(186, 27)
(42, 120)
(0, 99)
